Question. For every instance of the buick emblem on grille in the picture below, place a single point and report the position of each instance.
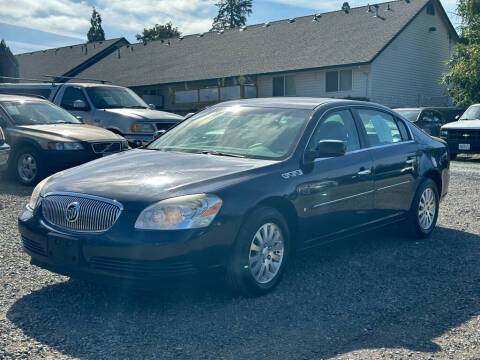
(72, 211)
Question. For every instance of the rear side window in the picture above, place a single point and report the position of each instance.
(71, 95)
(381, 128)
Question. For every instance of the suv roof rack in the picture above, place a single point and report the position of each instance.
(27, 79)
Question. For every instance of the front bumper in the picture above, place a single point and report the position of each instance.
(122, 253)
(453, 146)
(136, 140)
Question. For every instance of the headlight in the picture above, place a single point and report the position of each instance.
(142, 127)
(444, 132)
(65, 146)
(36, 194)
(184, 212)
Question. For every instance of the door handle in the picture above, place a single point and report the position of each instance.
(364, 172)
(411, 161)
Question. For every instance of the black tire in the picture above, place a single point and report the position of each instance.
(239, 275)
(453, 156)
(14, 168)
(413, 227)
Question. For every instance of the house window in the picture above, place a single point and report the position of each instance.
(339, 80)
(210, 94)
(430, 9)
(186, 97)
(249, 91)
(284, 86)
(230, 92)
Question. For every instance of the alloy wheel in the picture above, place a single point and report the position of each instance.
(427, 209)
(27, 168)
(266, 253)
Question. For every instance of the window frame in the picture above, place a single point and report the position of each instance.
(339, 75)
(284, 77)
(355, 110)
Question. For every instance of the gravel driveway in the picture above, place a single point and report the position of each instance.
(377, 296)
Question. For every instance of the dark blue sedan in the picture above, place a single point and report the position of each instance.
(238, 186)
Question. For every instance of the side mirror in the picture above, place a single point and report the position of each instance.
(327, 148)
(2, 137)
(457, 117)
(158, 134)
(152, 107)
(80, 105)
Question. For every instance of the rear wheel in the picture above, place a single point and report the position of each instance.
(260, 253)
(423, 215)
(27, 166)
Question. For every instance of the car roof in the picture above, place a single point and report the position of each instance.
(292, 102)
(5, 97)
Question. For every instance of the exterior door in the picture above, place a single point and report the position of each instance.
(394, 161)
(72, 94)
(337, 194)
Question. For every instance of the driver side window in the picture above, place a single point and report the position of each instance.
(71, 95)
(338, 125)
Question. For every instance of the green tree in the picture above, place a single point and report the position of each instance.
(232, 14)
(158, 32)
(463, 78)
(95, 33)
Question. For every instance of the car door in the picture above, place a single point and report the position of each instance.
(70, 95)
(395, 161)
(425, 122)
(336, 194)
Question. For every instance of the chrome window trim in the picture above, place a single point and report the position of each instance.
(370, 107)
(86, 196)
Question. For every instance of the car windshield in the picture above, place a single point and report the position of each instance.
(266, 133)
(410, 115)
(109, 97)
(37, 113)
(472, 113)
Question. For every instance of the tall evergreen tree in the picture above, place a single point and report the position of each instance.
(463, 77)
(95, 33)
(158, 32)
(231, 14)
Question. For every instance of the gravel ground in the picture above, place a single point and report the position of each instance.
(377, 296)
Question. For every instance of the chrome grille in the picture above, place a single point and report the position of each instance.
(95, 214)
(107, 147)
(467, 135)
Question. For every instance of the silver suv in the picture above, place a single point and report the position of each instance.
(115, 108)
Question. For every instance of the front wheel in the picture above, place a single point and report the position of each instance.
(27, 167)
(423, 215)
(260, 253)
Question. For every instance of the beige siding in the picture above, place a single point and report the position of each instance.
(407, 72)
(312, 83)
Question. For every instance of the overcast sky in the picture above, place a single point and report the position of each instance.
(29, 25)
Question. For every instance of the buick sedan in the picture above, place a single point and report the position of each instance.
(239, 186)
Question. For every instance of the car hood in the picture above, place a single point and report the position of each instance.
(145, 114)
(146, 176)
(71, 132)
(462, 124)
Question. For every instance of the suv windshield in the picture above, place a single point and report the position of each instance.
(37, 113)
(267, 133)
(472, 113)
(109, 97)
(410, 115)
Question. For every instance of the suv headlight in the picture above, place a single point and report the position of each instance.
(184, 212)
(443, 132)
(65, 146)
(36, 194)
(142, 127)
